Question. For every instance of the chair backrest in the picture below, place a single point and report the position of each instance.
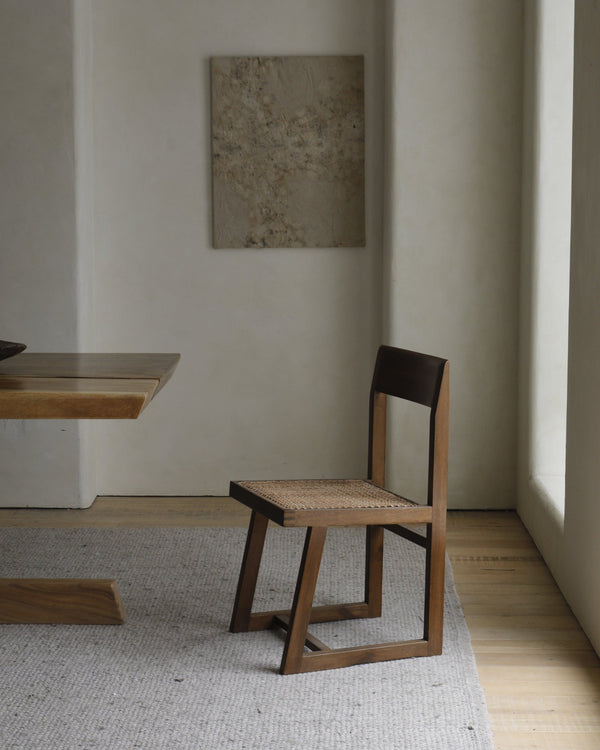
(420, 378)
(408, 375)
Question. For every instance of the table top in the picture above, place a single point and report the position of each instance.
(81, 386)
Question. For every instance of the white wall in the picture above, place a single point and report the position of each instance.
(274, 342)
(568, 542)
(579, 577)
(39, 267)
(277, 345)
(548, 103)
(452, 224)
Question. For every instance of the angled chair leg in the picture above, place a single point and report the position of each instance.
(434, 587)
(303, 598)
(374, 570)
(255, 541)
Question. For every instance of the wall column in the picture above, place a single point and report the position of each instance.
(40, 276)
(452, 224)
(580, 580)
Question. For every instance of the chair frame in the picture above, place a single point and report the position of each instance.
(400, 373)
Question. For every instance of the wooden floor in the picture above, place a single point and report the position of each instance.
(540, 675)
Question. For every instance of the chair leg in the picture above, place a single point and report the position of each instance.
(374, 570)
(297, 620)
(303, 598)
(434, 587)
(255, 541)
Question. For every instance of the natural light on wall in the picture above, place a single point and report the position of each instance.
(546, 245)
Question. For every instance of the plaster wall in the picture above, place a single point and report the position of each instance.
(277, 345)
(452, 220)
(39, 461)
(579, 575)
(545, 260)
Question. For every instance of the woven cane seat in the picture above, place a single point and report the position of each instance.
(325, 494)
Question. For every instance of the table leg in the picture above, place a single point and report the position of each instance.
(73, 601)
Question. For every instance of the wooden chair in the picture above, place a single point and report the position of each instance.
(317, 504)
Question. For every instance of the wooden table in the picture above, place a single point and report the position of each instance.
(74, 386)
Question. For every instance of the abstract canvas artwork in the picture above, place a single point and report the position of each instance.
(288, 151)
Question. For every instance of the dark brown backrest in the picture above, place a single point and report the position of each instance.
(420, 378)
(409, 375)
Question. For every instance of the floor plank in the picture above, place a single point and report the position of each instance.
(540, 675)
(122, 512)
(539, 672)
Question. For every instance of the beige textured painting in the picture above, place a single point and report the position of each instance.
(288, 151)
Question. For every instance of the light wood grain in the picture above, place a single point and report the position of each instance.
(74, 386)
(539, 672)
(67, 398)
(60, 601)
(81, 386)
(91, 365)
(133, 512)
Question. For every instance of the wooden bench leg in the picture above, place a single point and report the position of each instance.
(255, 541)
(303, 598)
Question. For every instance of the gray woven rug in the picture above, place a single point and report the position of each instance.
(174, 677)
